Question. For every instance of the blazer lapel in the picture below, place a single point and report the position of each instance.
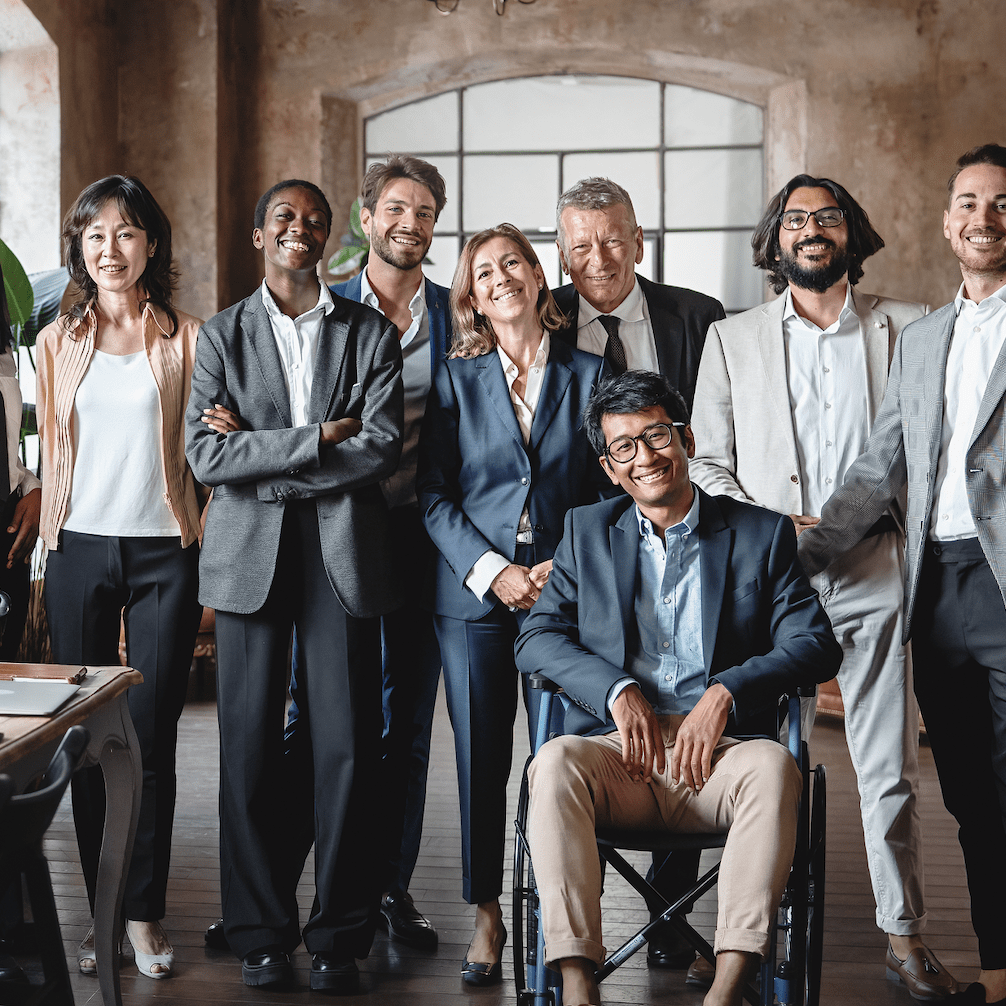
(934, 385)
(556, 381)
(258, 331)
(436, 314)
(623, 542)
(490, 374)
(994, 393)
(716, 539)
(328, 364)
(668, 334)
(878, 345)
(771, 341)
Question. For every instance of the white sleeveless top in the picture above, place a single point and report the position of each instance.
(118, 478)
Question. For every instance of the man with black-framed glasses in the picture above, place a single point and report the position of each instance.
(812, 367)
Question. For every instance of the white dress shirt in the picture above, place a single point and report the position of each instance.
(634, 329)
(829, 398)
(490, 564)
(297, 342)
(400, 489)
(979, 332)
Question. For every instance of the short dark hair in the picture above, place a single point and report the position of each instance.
(262, 206)
(141, 209)
(985, 153)
(403, 166)
(633, 391)
(864, 241)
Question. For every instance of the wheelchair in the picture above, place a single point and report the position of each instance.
(791, 973)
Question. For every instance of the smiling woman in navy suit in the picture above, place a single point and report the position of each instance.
(502, 458)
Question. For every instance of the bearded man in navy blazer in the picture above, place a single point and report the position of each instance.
(673, 620)
(295, 416)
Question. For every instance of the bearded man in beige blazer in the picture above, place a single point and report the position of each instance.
(785, 398)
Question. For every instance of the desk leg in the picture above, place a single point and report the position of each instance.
(119, 757)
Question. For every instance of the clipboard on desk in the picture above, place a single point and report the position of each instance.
(34, 696)
(70, 673)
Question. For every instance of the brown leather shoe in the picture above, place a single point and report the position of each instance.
(700, 973)
(922, 974)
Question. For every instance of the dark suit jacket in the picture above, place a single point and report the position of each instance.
(255, 472)
(763, 629)
(680, 319)
(438, 307)
(476, 474)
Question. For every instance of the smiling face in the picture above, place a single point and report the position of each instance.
(115, 251)
(814, 257)
(294, 233)
(504, 285)
(975, 225)
(656, 479)
(599, 251)
(401, 227)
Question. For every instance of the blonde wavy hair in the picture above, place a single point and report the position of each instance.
(473, 333)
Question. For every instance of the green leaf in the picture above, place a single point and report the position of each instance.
(345, 260)
(20, 299)
(355, 227)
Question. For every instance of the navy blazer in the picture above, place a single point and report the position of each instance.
(680, 319)
(438, 308)
(476, 474)
(763, 628)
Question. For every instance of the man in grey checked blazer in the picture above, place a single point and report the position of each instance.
(941, 431)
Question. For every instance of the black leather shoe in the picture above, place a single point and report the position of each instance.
(334, 974)
(267, 966)
(406, 923)
(668, 949)
(214, 936)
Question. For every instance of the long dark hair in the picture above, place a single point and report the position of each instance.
(140, 208)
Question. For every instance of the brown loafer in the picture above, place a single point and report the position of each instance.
(700, 973)
(922, 974)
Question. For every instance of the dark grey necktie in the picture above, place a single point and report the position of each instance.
(614, 351)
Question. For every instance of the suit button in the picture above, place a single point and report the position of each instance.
(292, 471)
(793, 478)
(291, 493)
(523, 482)
(539, 527)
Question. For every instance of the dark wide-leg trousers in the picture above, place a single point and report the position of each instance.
(959, 654)
(263, 811)
(152, 583)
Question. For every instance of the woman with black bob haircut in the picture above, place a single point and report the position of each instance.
(120, 514)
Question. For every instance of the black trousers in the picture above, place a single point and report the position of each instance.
(959, 658)
(152, 583)
(263, 810)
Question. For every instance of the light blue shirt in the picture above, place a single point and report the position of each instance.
(665, 659)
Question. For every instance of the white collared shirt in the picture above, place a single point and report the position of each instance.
(297, 342)
(634, 329)
(979, 333)
(490, 564)
(829, 398)
(400, 489)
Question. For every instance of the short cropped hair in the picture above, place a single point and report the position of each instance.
(864, 241)
(262, 206)
(985, 153)
(632, 391)
(141, 209)
(473, 333)
(403, 166)
(592, 193)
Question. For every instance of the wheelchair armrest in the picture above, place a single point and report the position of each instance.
(537, 680)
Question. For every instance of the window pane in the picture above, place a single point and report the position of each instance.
(694, 118)
(430, 124)
(548, 256)
(648, 267)
(444, 256)
(562, 113)
(717, 263)
(638, 174)
(448, 168)
(522, 190)
(713, 188)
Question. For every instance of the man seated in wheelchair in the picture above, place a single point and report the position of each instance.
(674, 621)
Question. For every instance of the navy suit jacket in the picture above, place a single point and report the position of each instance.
(438, 307)
(476, 474)
(680, 319)
(763, 629)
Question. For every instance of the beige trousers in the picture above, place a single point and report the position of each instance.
(577, 783)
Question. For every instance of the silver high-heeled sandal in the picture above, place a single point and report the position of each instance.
(145, 962)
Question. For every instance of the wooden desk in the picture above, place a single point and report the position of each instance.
(28, 745)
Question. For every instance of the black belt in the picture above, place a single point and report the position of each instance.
(882, 524)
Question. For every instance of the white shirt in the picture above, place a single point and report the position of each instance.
(400, 488)
(297, 342)
(829, 399)
(979, 333)
(490, 564)
(634, 329)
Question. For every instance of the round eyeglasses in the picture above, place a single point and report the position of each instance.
(657, 436)
(796, 220)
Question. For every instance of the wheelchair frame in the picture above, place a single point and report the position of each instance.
(791, 973)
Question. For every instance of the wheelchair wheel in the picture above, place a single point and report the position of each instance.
(815, 888)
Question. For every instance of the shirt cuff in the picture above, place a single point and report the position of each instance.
(617, 688)
(487, 567)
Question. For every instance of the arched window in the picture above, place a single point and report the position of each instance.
(692, 161)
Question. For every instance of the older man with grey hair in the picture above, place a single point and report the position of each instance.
(634, 323)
